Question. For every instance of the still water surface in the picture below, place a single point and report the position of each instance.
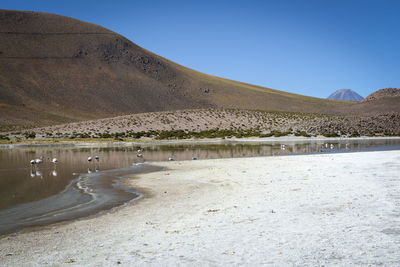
(72, 188)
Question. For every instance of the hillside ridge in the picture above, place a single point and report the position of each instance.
(55, 69)
(383, 93)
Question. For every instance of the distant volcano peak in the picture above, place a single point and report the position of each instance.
(346, 94)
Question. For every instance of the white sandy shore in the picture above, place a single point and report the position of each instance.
(313, 210)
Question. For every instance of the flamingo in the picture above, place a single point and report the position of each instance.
(33, 167)
(39, 174)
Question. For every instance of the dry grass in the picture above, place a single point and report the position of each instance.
(233, 121)
(55, 70)
(70, 70)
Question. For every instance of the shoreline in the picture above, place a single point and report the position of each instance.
(149, 142)
(85, 196)
(251, 141)
(288, 210)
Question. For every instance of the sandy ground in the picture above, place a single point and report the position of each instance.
(308, 210)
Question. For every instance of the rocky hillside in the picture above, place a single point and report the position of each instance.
(228, 119)
(382, 101)
(346, 95)
(383, 93)
(55, 69)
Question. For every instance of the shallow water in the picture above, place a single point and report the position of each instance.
(72, 188)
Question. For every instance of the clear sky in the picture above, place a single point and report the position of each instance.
(309, 47)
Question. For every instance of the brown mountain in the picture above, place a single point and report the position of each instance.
(55, 69)
(386, 93)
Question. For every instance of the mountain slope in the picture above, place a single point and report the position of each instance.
(386, 93)
(346, 95)
(55, 69)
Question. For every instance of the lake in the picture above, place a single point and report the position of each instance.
(34, 195)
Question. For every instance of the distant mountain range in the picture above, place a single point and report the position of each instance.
(346, 94)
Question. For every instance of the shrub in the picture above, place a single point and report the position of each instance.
(267, 135)
(83, 135)
(4, 137)
(354, 134)
(104, 135)
(302, 133)
(30, 135)
(334, 134)
(279, 133)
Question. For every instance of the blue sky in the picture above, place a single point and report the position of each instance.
(309, 47)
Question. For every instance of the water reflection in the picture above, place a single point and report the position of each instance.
(39, 174)
(22, 182)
